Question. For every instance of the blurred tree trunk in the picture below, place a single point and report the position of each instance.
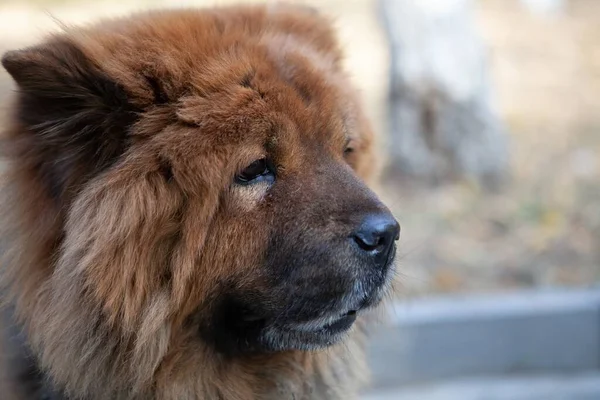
(443, 124)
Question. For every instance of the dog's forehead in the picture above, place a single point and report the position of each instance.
(237, 69)
(276, 96)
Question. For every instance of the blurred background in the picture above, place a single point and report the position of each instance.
(488, 121)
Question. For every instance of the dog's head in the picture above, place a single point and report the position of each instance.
(205, 170)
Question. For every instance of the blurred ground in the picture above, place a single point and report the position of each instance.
(543, 229)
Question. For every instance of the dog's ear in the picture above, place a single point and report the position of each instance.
(71, 117)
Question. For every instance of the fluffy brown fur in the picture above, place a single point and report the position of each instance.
(124, 233)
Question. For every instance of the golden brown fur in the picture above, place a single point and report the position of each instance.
(114, 247)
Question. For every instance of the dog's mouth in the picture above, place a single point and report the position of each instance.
(312, 324)
(342, 324)
(320, 333)
(333, 324)
(328, 328)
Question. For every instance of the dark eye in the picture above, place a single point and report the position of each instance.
(258, 171)
(348, 149)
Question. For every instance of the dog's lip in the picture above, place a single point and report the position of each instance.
(331, 324)
(342, 324)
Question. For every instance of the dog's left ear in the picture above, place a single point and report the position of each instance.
(72, 116)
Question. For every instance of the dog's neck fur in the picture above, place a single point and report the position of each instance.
(296, 375)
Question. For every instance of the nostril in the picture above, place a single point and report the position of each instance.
(380, 242)
(377, 233)
(366, 241)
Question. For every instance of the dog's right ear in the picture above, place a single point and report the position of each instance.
(70, 114)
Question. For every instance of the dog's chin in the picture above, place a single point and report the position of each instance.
(306, 336)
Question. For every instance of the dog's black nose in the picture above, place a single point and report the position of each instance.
(376, 235)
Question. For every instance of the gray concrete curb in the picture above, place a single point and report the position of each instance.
(549, 331)
(523, 387)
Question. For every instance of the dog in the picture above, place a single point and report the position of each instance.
(186, 214)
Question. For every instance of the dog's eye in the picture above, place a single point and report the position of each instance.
(348, 148)
(258, 171)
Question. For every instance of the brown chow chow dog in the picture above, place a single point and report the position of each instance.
(187, 218)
